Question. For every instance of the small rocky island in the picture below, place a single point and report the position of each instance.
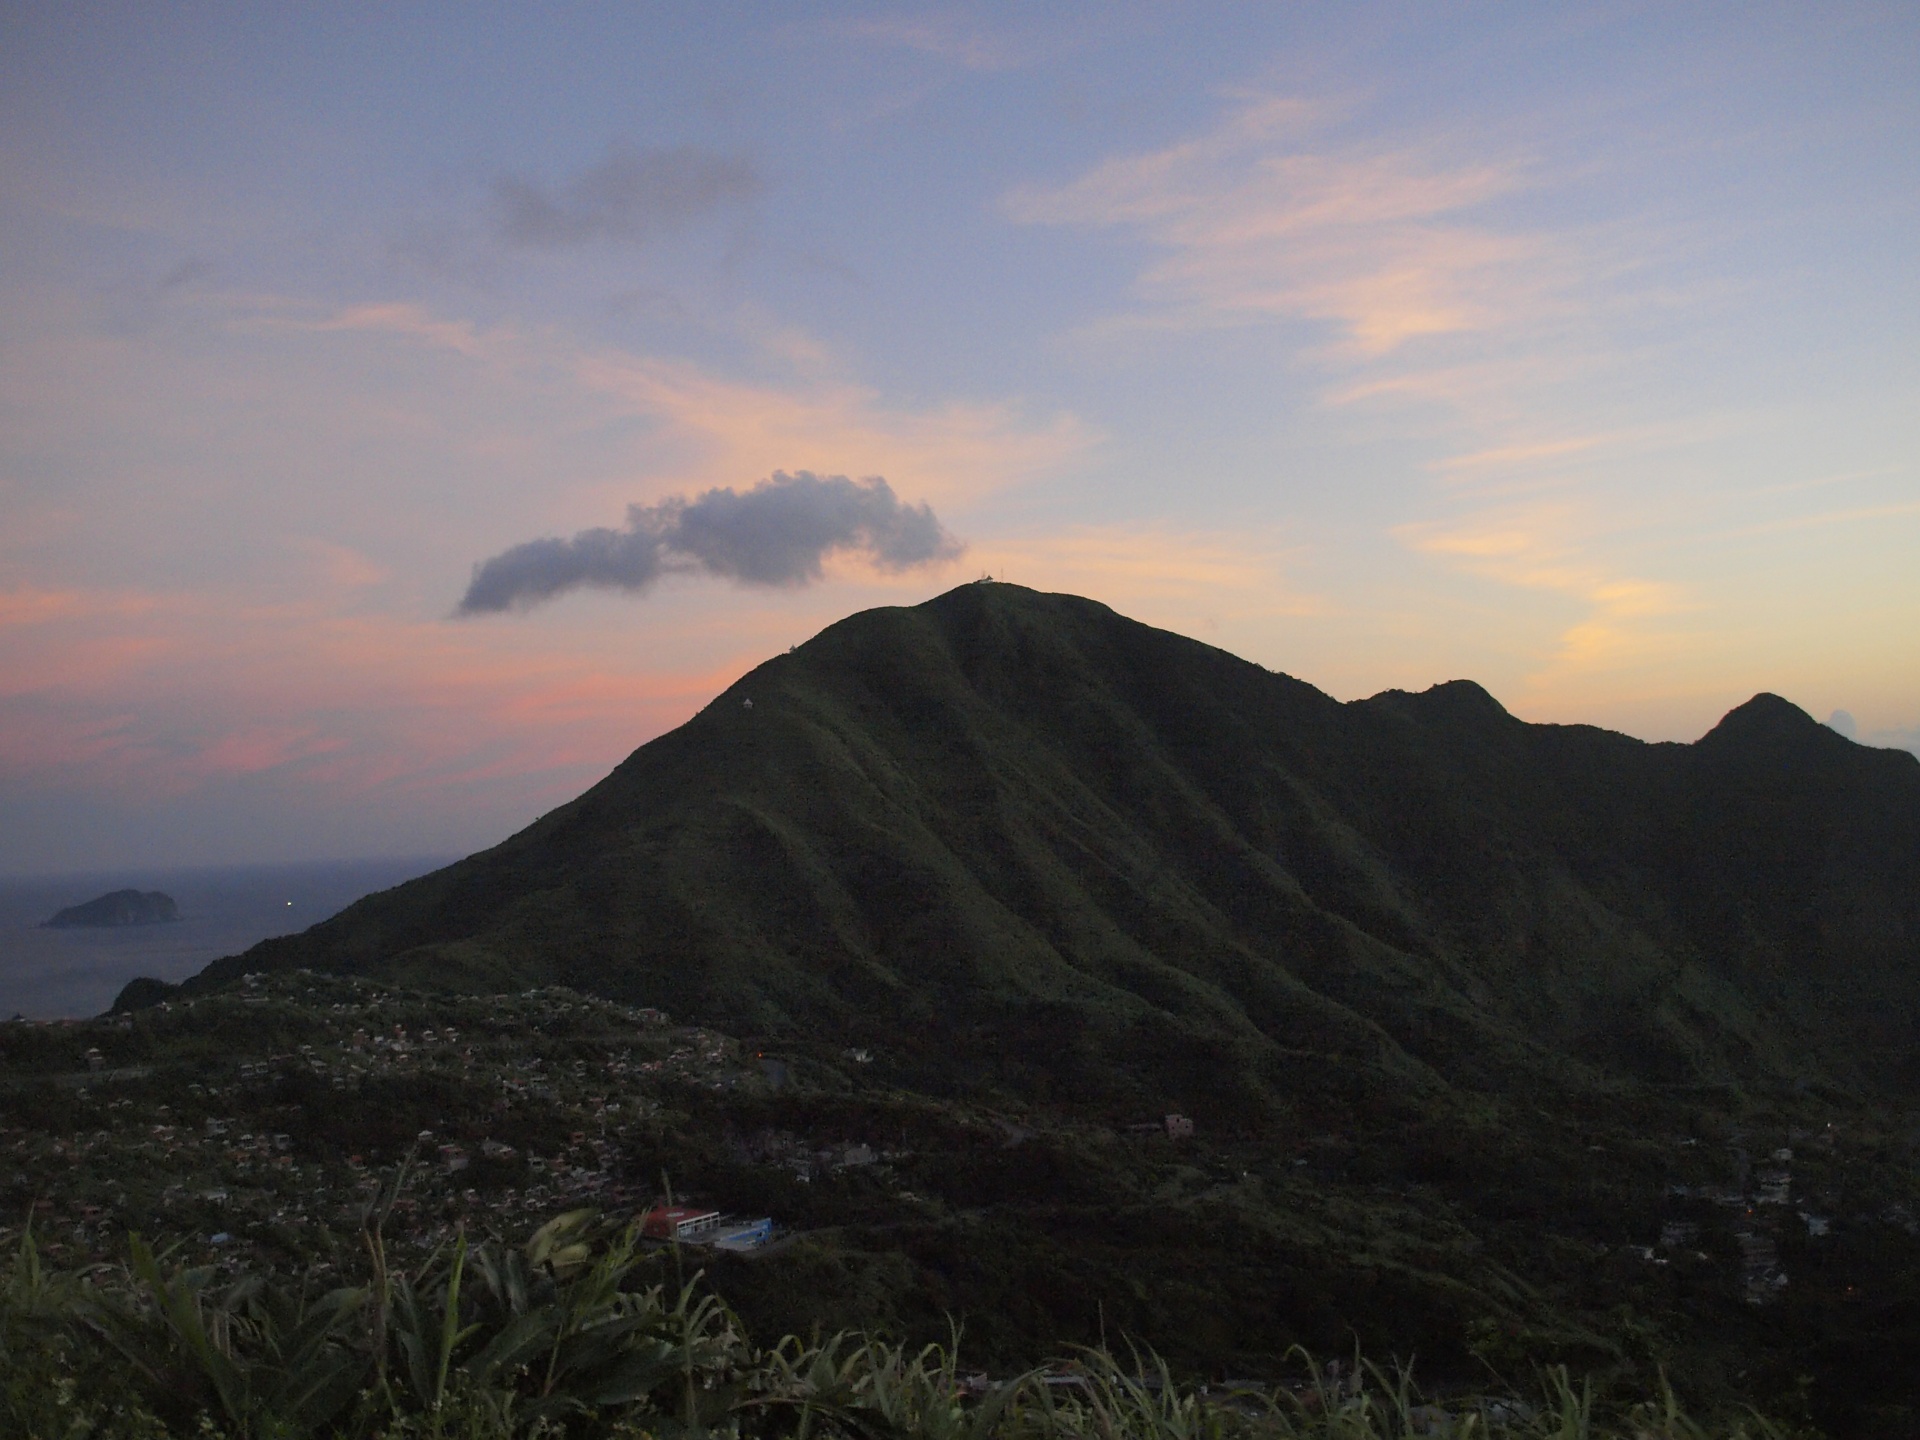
(120, 907)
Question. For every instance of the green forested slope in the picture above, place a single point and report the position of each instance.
(1014, 839)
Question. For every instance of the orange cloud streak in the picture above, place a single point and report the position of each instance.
(156, 695)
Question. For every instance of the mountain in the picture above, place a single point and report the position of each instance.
(119, 907)
(1019, 842)
(1503, 1044)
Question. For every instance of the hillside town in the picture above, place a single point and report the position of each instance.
(269, 1125)
(257, 1151)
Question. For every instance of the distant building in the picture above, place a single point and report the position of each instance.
(678, 1222)
(1179, 1127)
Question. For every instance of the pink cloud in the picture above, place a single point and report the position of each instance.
(413, 322)
(1381, 244)
(158, 696)
(732, 432)
(246, 752)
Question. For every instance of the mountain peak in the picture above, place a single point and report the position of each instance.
(1465, 696)
(1449, 702)
(1765, 720)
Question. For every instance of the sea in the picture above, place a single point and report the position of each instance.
(56, 974)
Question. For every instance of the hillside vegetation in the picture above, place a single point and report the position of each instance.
(564, 1337)
(1019, 840)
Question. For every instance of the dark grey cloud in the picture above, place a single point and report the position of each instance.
(779, 533)
(631, 195)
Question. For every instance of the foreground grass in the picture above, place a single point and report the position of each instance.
(557, 1339)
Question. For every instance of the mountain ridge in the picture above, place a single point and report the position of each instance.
(1019, 840)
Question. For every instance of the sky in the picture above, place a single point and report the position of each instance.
(405, 412)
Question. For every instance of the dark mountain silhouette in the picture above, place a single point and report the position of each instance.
(119, 907)
(1018, 840)
(1467, 1012)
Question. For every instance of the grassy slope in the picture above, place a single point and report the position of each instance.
(1022, 841)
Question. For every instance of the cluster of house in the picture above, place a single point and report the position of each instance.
(228, 1182)
(788, 1151)
(1760, 1197)
(217, 1165)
